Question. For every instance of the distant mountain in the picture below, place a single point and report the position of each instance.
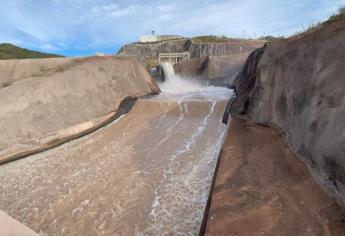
(9, 51)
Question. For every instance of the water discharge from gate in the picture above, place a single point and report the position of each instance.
(175, 82)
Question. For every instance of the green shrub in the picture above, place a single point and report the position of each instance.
(9, 51)
(271, 38)
(211, 39)
(336, 17)
(339, 16)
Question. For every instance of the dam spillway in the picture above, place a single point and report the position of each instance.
(147, 173)
(175, 82)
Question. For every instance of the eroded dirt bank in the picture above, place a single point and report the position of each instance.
(148, 173)
(263, 189)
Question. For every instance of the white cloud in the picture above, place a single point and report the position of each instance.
(93, 25)
(115, 10)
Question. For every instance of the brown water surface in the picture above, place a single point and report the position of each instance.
(148, 173)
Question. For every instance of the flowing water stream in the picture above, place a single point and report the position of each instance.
(147, 173)
(174, 82)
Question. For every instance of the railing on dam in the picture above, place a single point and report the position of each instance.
(173, 57)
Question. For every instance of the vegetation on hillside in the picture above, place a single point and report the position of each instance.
(271, 38)
(9, 51)
(212, 39)
(339, 16)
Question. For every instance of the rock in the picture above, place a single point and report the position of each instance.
(297, 85)
(148, 52)
(42, 96)
(219, 63)
(221, 49)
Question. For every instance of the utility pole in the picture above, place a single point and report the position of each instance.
(244, 34)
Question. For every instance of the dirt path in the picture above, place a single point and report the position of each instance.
(148, 173)
(262, 189)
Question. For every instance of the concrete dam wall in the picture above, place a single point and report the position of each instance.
(297, 85)
(145, 51)
(43, 96)
(218, 62)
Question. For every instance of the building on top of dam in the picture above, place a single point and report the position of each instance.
(156, 38)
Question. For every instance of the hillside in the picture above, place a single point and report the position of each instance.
(212, 39)
(9, 51)
(297, 85)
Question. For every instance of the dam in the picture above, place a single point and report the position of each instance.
(147, 173)
(247, 138)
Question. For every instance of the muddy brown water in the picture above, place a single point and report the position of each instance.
(147, 173)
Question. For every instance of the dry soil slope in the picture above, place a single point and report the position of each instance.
(298, 85)
(42, 96)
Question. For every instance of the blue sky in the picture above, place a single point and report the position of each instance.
(84, 27)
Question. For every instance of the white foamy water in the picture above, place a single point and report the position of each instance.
(174, 82)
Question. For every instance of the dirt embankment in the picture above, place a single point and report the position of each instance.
(263, 189)
(297, 85)
(44, 100)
